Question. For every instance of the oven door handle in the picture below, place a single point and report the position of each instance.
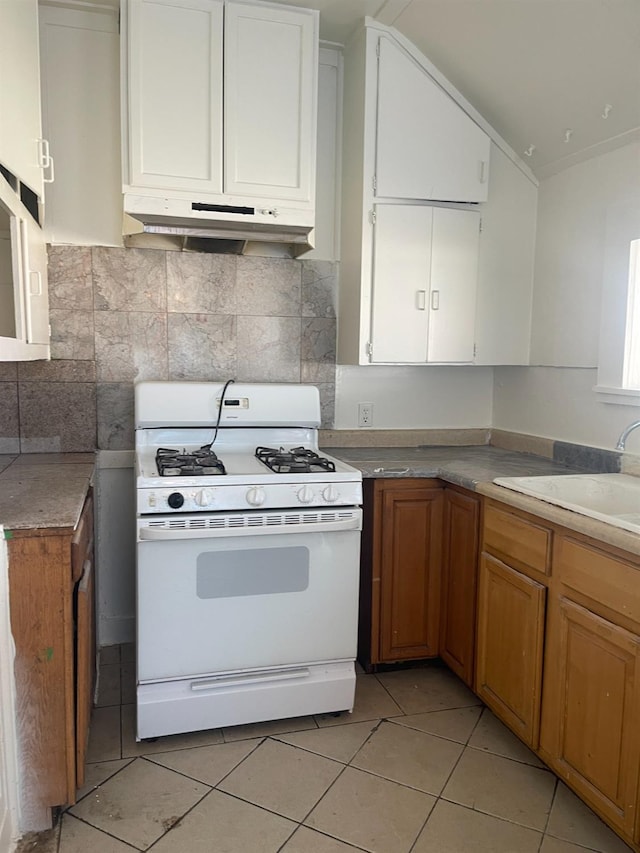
(162, 533)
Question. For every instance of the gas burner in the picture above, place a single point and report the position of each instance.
(298, 460)
(199, 463)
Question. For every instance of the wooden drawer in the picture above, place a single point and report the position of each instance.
(519, 542)
(82, 542)
(609, 581)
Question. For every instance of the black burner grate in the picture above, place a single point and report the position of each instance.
(298, 460)
(179, 463)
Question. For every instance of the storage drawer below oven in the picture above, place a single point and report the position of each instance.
(195, 704)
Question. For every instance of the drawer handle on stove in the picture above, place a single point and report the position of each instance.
(242, 680)
(257, 530)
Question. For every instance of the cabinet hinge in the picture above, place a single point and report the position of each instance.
(372, 216)
(374, 183)
(378, 48)
(369, 349)
(480, 225)
(475, 350)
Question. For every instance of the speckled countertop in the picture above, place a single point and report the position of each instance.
(475, 468)
(43, 490)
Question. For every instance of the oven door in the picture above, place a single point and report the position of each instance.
(232, 592)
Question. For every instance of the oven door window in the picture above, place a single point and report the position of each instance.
(256, 571)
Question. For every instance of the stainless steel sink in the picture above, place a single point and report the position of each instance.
(614, 498)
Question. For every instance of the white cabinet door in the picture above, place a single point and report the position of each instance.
(425, 271)
(401, 273)
(20, 123)
(427, 146)
(174, 66)
(454, 278)
(270, 98)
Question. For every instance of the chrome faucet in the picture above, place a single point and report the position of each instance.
(625, 434)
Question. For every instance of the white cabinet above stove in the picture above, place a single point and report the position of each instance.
(220, 115)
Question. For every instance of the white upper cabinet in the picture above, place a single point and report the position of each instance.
(221, 110)
(425, 268)
(22, 150)
(270, 70)
(427, 146)
(175, 94)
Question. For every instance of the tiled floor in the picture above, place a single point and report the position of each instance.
(419, 767)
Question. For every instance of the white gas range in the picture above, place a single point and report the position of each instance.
(248, 542)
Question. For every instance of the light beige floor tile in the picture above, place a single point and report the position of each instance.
(338, 742)
(225, 825)
(268, 728)
(140, 803)
(572, 820)
(372, 813)
(109, 685)
(412, 758)
(109, 654)
(454, 829)
(431, 688)
(208, 764)
(127, 652)
(501, 787)
(372, 702)
(79, 837)
(104, 735)
(309, 841)
(96, 774)
(554, 845)
(132, 748)
(456, 724)
(128, 683)
(490, 735)
(283, 779)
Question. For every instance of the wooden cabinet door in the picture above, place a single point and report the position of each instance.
(270, 101)
(174, 88)
(85, 665)
(427, 146)
(459, 583)
(592, 710)
(511, 611)
(410, 572)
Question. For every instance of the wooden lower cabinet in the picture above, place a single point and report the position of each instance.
(51, 602)
(401, 569)
(511, 612)
(459, 582)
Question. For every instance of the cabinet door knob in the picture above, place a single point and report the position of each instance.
(421, 300)
(435, 300)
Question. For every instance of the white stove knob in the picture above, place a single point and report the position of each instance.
(305, 495)
(330, 494)
(255, 496)
(204, 497)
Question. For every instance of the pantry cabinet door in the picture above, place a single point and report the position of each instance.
(401, 283)
(427, 146)
(270, 102)
(174, 64)
(454, 281)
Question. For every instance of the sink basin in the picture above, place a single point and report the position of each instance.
(614, 498)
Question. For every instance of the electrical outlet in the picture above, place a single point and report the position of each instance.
(365, 414)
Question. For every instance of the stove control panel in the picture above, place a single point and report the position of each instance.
(191, 499)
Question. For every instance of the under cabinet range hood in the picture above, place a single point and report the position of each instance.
(181, 217)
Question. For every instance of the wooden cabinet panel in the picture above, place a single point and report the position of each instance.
(592, 708)
(523, 544)
(459, 582)
(410, 576)
(511, 609)
(85, 665)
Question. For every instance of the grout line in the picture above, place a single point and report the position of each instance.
(101, 831)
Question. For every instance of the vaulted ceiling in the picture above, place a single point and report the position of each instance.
(559, 79)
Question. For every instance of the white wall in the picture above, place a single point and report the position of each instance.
(413, 397)
(569, 258)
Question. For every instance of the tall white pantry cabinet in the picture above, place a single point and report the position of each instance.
(437, 251)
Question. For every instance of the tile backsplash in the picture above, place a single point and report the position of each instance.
(123, 315)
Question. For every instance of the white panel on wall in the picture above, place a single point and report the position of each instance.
(415, 397)
(569, 258)
(81, 118)
(558, 403)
